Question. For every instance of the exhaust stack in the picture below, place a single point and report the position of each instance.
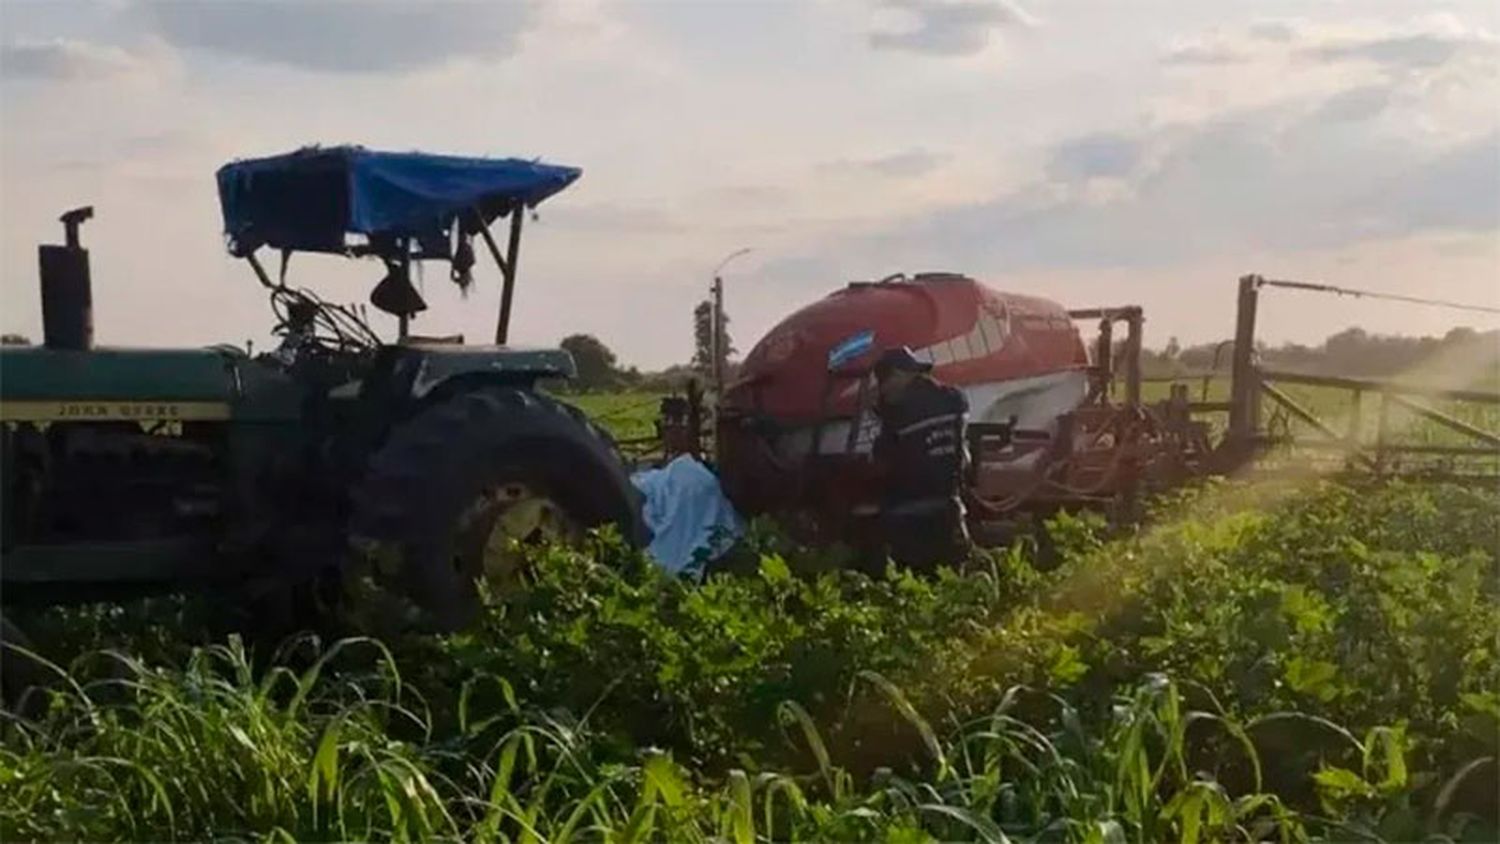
(67, 289)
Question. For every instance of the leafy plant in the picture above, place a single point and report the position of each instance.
(1260, 664)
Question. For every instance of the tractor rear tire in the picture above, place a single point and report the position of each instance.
(452, 464)
(18, 671)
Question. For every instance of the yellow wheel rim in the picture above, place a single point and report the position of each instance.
(506, 519)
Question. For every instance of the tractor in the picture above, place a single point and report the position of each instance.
(423, 464)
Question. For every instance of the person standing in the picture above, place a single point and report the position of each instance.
(922, 453)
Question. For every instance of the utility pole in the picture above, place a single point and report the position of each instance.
(716, 335)
(718, 346)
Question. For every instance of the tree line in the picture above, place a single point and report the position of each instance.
(1352, 352)
(599, 368)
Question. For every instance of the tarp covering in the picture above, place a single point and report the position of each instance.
(691, 521)
(311, 199)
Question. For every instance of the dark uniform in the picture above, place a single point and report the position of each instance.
(922, 449)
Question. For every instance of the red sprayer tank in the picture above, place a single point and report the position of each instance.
(796, 421)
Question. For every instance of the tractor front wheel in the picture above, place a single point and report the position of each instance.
(458, 490)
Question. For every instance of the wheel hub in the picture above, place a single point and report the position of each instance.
(506, 519)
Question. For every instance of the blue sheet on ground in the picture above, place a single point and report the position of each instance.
(690, 519)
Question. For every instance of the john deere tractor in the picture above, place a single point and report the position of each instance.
(426, 461)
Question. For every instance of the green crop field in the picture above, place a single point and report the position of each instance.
(627, 414)
(631, 414)
(1264, 663)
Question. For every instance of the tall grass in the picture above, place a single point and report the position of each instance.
(211, 751)
(122, 749)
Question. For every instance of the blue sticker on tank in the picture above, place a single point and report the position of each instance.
(851, 348)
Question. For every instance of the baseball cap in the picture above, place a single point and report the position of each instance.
(900, 358)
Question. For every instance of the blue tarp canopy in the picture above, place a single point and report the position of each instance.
(312, 199)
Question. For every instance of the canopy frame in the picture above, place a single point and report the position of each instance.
(402, 206)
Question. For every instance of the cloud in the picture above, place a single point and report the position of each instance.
(1199, 52)
(343, 37)
(797, 271)
(1421, 44)
(156, 153)
(743, 196)
(163, 144)
(902, 165)
(1285, 178)
(63, 59)
(1099, 155)
(950, 27)
(1272, 30)
(1457, 190)
(1426, 75)
(1418, 50)
(1357, 104)
(613, 218)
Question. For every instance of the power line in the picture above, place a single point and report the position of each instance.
(1372, 294)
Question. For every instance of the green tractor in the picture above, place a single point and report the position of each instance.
(423, 464)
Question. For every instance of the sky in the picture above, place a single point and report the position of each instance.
(1096, 153)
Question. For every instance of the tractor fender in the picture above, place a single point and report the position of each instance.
(438, 369)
